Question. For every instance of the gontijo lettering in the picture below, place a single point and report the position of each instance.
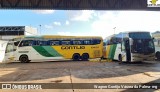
(72, 47)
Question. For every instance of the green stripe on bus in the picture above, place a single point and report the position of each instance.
(42, 51)
(51, 51)
(113, 50)
(110, 52)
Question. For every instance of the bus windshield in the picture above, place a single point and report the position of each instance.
(143, 46)
(142, 42)
(140, 35)
(12, 45)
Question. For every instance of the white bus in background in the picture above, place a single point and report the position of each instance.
(157, 47)
(130, 47)
(156, 36)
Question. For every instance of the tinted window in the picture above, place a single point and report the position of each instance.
(140, 35)
(27, 43)
(66, 42)
(16, 43)
(54, 42)
(42, 43)
(87, 42)
(116, 40)
(96, 41)
(77, 42)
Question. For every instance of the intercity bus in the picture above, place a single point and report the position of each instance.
(48, 48)
(130, 47)
(157, 48)
(156, 36)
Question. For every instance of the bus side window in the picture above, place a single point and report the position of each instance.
(21, 44)
(96, 41)
(87, 42)
(29, 43)
(66, 42)
(16, 43)
(54, 42)
(48, 42)
(34, 43)
(42, 43)
(77, 42)
(26, 43)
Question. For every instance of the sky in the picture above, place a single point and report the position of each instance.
(82, 22)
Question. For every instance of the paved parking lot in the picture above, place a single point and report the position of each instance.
(81, 72)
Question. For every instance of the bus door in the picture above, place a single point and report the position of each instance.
(127, 49)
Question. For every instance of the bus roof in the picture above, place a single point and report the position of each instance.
(123, 34)
(58, 36)
(137, 31)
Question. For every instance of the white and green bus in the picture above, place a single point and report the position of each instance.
(156, 36)
(130, 47)
(50, 48)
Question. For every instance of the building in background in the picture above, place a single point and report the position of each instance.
(9, 32)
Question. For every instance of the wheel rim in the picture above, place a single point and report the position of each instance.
(85, 57)
(120, 58)
(24, 59)
(158, 55)
(76, 57)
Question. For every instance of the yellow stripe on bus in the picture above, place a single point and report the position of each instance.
(108, 50)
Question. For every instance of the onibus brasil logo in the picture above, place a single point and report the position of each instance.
(153, 3)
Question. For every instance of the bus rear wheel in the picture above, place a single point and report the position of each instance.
(158, 55)
(24, 59)
(76, 57)
(120, 58)
(85, 56)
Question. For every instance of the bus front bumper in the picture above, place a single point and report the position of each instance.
(142, 57)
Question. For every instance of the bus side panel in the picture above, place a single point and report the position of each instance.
(46, 53)
(112, 51)
(68, 50)
(117, 51)
(29, 51)
(114, 46)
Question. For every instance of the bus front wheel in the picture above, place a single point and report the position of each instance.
(85, 56)
(24, 59)
(76, 57)
(158, 55)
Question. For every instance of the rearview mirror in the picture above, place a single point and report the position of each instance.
(104, 44)
(131, 41)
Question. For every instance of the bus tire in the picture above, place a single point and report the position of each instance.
(120, 58)
(24, 59)
(76, 57)
(158, 55)
(85, 57)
